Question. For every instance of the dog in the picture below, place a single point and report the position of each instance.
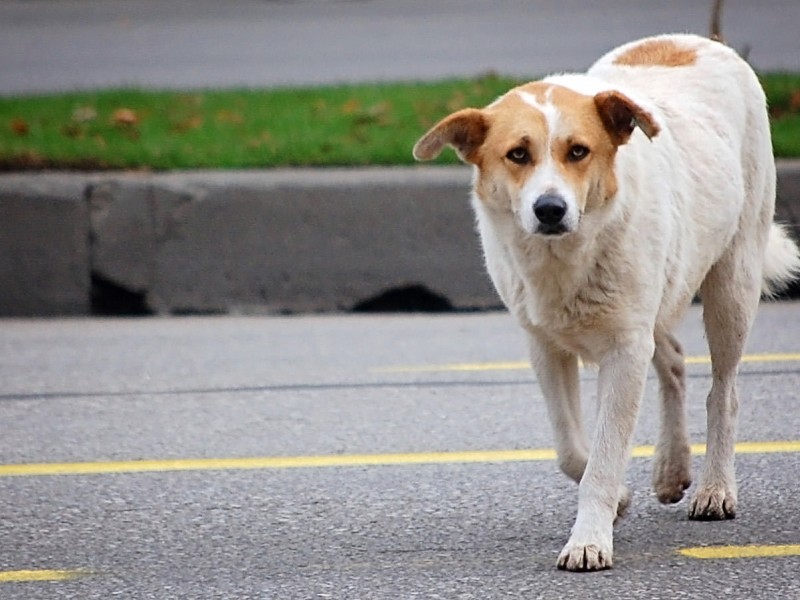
(605, 202)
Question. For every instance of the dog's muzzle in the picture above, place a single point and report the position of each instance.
(550, 210)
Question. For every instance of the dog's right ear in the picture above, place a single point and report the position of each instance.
(464, 130)
(621, 115)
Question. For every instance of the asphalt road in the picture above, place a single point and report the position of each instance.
(95, 399)
(51, 45)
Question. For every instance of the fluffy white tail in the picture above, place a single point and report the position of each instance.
(781, 261)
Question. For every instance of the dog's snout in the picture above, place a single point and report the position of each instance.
(550, 209)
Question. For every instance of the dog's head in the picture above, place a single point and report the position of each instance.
(543, 151)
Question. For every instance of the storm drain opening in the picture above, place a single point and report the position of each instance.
(111, 299)
(405, 299)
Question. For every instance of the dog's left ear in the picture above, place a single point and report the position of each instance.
(621, 115)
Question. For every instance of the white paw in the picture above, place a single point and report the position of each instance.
(672, 475)
(585, 557)
(713, 503)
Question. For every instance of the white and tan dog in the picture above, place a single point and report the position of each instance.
(605, 201)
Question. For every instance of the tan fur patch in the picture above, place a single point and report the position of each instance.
(516, 123)
(658, 53)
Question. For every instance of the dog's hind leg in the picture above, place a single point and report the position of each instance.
(672, 468)
(730, 296)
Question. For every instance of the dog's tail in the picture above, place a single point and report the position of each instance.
(781, 261)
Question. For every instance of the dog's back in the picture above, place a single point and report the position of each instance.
(715, 152)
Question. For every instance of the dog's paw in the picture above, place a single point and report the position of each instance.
(713, 503)
(672, 475)
(584, 557)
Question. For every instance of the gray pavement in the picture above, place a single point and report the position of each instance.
(76, 44)
(87, 390)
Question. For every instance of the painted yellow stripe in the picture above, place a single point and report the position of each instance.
(741, 551)
(750, 358)
(277, 462)
(342, 460)
(487, 366)
(521, 364)
(39, 575)
(778, 447)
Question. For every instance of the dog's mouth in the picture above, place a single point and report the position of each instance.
(556, 230)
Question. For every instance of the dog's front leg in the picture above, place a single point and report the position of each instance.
(621, 380)
(557, 373)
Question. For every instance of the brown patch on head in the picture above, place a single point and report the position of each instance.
(515, 125)
(564, 136)
(657, 53)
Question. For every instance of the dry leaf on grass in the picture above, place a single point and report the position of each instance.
(84, 114)
(20, 126)
(351, 106)
(124, 117)
(794, 101)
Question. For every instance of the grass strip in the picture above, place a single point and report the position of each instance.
(358, 125)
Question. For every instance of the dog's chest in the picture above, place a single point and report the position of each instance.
(575, 291)
(579, 307)
(579, 320)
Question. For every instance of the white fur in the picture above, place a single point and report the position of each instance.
(693, 213)
(547, 177)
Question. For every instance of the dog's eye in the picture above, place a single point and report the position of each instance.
(519, 155)
(577, 152)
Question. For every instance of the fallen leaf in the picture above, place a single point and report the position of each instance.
(229, 116)
(351, 106)
(794, 101)
(319, 106)
(193, 122)
(457, 101)
(375, 114)
(83, 114)
(73, 130)
(264, 139)
(20, 126)
(124, 117)
(381, 112)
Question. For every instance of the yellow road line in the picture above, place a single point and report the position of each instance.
(39, 575)
(341, 460)
(487, 366)
(521, 364)
(777, 447)
(707, 552)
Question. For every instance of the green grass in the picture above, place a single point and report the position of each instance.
(783, 95)
(345, 125)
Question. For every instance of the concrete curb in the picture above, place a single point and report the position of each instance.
(271, 241)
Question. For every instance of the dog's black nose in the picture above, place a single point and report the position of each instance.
(550, 209)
